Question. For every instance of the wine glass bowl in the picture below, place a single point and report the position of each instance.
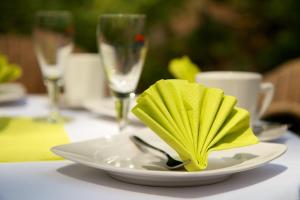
(122, 47)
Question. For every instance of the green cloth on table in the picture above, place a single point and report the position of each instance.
(26, 139)
(183, 68)
(194, 120)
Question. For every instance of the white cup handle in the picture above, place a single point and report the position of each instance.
(268, 90)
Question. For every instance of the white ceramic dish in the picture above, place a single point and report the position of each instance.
(273, 134)
(268, 131)
(10, 92)
(122, 160)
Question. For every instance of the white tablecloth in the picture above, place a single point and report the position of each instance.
(65, 180)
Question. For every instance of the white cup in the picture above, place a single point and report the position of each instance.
(83, 79)
(245, 86)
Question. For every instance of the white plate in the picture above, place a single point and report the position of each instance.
(122, 160)
(106, 107)
(11, 92)
(270, 131)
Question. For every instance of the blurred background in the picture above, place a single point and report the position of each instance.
(248, 35)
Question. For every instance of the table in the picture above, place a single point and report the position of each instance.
(66, 180)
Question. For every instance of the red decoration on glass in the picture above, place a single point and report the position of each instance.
(139, 38)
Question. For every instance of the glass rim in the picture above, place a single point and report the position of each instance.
(118, 15)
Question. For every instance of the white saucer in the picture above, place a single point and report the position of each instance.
(11, 92)
(122, 160)
(106, 107)
(268, 131)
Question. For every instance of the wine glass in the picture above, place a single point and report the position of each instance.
(122, 47)
(53, 42)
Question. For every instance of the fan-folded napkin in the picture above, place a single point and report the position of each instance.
(194, 120)
(183, 68)
(8, 72)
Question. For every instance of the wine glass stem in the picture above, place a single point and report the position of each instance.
(53, 93)
(122, 104)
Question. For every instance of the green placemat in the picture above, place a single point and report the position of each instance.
(26, 139)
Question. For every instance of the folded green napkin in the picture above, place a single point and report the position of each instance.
(8, 72)
(25, 139)
(194, 120)
(183, 68)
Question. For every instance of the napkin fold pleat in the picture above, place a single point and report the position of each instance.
(24, 139)
(150, 107)
(192, 99)
(163, 133)
(224, 111)
(236, 132)
(211, 103)
(154, 104)
(176, 109)
(194, 120)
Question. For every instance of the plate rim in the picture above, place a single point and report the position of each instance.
(214, 172)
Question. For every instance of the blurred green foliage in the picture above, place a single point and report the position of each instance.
(216, 34)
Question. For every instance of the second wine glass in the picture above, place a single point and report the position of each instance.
(122, 47)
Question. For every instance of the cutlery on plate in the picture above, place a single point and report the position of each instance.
(171, 163)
